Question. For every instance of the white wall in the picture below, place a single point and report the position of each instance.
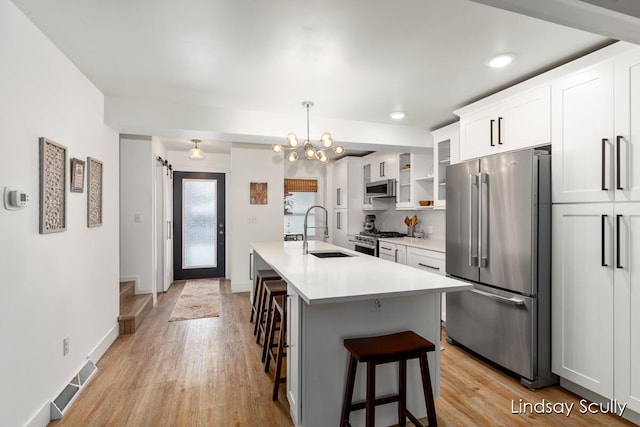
(214, 163)
(251, 163)
(62, 284)
(137, 170)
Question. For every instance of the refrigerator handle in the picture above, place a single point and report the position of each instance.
(473, 259)
(483, 235)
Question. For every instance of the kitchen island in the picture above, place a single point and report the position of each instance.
(330, 299)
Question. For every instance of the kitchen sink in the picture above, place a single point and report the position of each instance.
(330, 254)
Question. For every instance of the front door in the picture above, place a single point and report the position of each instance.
(199, 225)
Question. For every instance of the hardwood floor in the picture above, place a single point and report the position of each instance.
(207, 372)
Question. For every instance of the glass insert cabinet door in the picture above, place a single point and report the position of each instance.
(199, 225)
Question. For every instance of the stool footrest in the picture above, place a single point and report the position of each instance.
(413, 419)
(379, 401)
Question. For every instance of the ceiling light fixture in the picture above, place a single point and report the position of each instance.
(309, 150)
(501, 60)
(196, 153)
(397, 115)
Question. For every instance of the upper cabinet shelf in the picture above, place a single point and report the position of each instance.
(445, 151)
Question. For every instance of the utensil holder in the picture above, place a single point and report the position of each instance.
(410, 230)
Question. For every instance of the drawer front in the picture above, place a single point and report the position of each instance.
(431, 261)
(385, 248)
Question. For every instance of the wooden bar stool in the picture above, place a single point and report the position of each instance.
(261, 276)
(277, 356)
(398, 347)
(271, 289)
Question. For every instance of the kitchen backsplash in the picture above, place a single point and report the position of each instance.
(394, 221)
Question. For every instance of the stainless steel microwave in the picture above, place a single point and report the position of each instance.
(386, 188)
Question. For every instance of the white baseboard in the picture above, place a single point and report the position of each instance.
(103, 345)
(241, 287)
(42, 418)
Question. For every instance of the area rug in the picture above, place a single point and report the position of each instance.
(199, 299)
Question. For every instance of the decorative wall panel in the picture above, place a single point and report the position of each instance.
(53, 195)
(94, 192)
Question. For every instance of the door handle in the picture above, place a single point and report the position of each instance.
(483, 217)
(604, 180)
(514, 301)
(491, 132)
(602, 224)
(429, 266)
(618, 163)
(473, 260)
(499, 130)
(618, 265)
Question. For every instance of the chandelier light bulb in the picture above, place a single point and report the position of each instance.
(320, 155)
(277, 148)
(292, 157)
(326, 140)
(339, 149)
(309, 151)
(293, 140)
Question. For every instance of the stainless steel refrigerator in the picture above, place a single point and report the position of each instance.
(499, 238)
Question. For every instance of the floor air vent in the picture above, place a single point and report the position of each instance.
(62, 402)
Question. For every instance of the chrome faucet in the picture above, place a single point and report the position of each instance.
(305, 243)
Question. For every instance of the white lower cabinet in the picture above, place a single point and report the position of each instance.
(596, 295)
(392, 252)
(427, 260)
(340, 228)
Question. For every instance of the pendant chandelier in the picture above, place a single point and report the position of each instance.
(309, 150)
(196, 153)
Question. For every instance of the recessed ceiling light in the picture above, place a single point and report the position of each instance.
(397, 115)
(500, 61)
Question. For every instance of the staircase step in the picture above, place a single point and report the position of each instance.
(133, 311)
(127, 288)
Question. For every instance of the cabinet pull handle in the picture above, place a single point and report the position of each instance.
(499, 130)
(618, 162)
(382, 247)
(604, 178)
(251, 266)
(382, 165)
(338, 196)
(602, 224)
(428, 266)
(491, 133)
(396, 255)
(338, 222)
(618, 265)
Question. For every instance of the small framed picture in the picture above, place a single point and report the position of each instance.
(77, 175)
(258, 193)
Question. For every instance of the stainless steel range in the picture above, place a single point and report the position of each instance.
(367, 241)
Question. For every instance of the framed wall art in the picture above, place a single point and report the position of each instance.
(53, 194)
(94, 192)
(258, 193)
(77, 175)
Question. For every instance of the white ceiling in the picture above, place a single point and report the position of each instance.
(357, 60)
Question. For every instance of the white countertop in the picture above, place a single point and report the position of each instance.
(430, 244)
(359, 277)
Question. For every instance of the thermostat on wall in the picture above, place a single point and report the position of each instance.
(15, 198)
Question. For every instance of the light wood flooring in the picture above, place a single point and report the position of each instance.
(207, 372)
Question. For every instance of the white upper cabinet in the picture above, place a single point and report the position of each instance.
(519, 121)
(383, 165)
(582, 134)
(340, 184)
(627, 127)
(446, 151)
(415, 179)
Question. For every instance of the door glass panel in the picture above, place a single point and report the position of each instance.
(199, 223)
